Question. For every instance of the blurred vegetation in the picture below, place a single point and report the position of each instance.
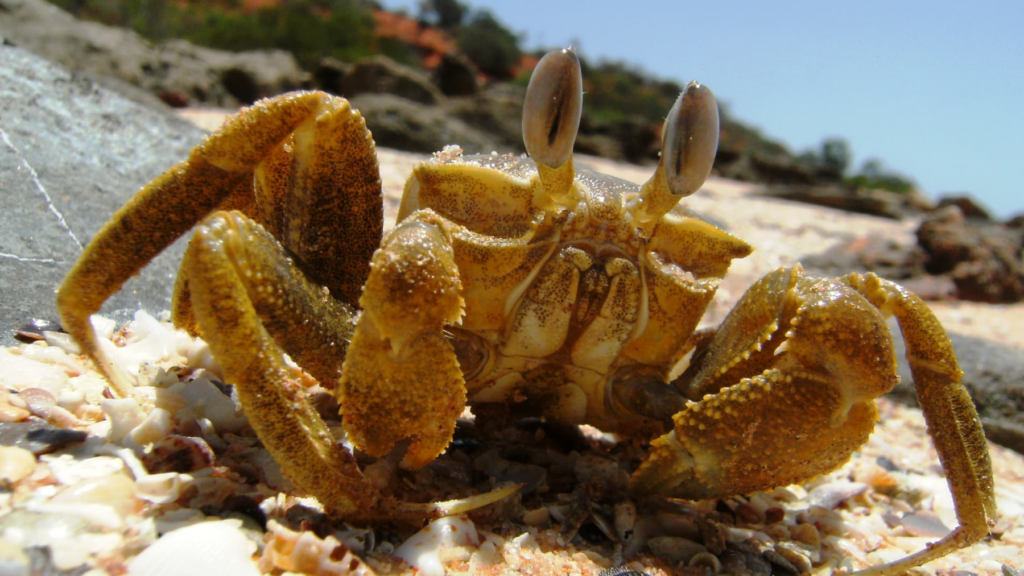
(835, 157)
(309, 29)
(874, 174)
(616, 90)
(489, 44)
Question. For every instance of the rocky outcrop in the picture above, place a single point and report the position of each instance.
(407, 125)
(382, 75)
(955, 258)
(125, 62)
(984, 260)
(843, 197)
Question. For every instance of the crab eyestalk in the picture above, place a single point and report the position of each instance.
(689, 141)
(551, 119)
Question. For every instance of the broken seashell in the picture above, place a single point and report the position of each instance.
(306, 553)
(217, 547)
(422, 550)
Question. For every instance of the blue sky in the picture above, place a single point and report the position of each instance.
(934, 89)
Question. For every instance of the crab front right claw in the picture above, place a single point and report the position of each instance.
(786, 389)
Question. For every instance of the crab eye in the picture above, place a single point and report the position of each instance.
(554, 102)
(690, 139)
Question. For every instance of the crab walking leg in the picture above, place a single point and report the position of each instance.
(950, 414)
(268, 389)
(401, 377)
(304, 322)
(219, 173)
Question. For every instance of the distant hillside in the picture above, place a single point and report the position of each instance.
(624, 102)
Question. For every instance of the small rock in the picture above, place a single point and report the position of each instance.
(456, 75)
(925, 524)
(383, 75)
(675, 549)
(835, 493)
(536, 517)
(38, 437)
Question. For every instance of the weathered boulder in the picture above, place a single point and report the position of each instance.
(382, 75)
(455, 75)
(967, 204)
(984, 260)
(407, 125)
(498, 111)
(842, 197)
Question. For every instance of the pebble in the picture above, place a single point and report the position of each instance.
(675, 549)
(179, 454)
(625, 519)
(16, 463)
(204, 400)
(155, 427)
(796, 556)
(924, 523)
(43, 404)
(536, 517)
(807, 534)
(835, 493)
(306, 553)
(68, 470)
(13, 561)
(12, 408)
(20, 372)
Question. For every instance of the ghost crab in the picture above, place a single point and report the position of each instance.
(509, 280)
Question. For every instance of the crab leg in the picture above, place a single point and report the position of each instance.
(950, 414)
(226, 295)
(328, 148)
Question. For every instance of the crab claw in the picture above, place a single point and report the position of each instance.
(551, 118)
(689, 140)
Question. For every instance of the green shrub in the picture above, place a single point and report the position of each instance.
(309, 29)
(490, 45)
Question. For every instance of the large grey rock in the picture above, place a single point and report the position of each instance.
(71, 153)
